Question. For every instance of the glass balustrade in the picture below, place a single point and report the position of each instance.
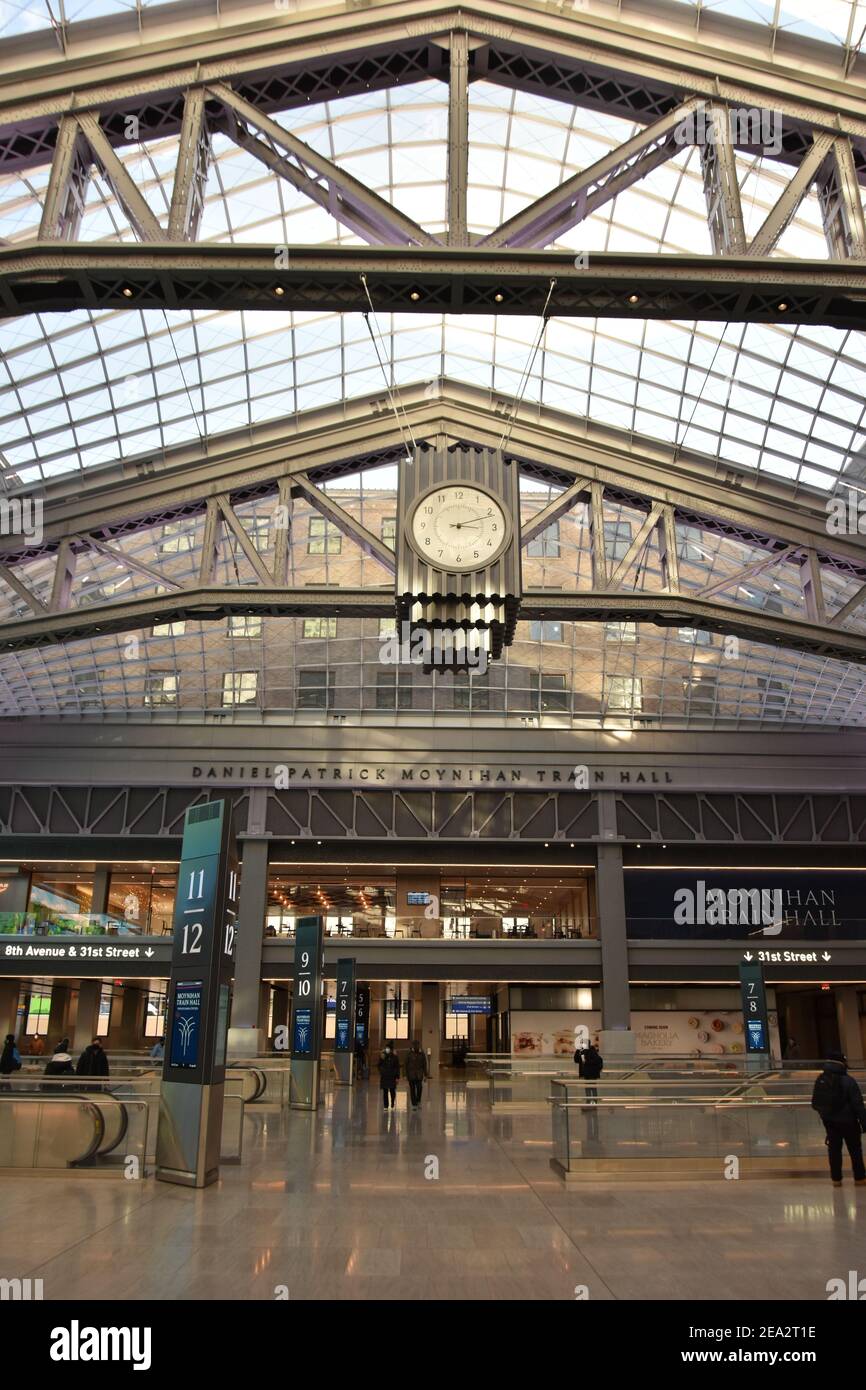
(660, 1123)
(51, 922)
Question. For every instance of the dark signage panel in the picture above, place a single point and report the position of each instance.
(306, 1024)
(754, 1000)
(186, 1023)
(203, 945)
(469, 1004)
(345, 1001)
(362, 1014)
(755, 906)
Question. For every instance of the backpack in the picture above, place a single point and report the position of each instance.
(829, 1095)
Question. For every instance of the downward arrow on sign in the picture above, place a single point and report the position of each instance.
(149, 951)
(747, 956)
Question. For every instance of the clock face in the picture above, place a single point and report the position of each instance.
(458, 526)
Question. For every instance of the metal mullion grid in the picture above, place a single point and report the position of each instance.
(817, 413)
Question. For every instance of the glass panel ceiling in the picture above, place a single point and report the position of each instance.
(84, 389)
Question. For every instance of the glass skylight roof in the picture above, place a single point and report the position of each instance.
(84, 390)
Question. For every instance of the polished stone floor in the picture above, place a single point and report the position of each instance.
(347, 1204)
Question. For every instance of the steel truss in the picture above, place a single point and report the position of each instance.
(208, 86)
(417, 813)
(61, 277)
(594, 469)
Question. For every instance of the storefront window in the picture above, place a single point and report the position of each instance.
(60, 898)
(143, 902)
(405, 903)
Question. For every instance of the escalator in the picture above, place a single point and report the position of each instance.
(74, 1130)
(253, 1080)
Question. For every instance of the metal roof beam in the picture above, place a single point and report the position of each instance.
(42, 278)
(217, 602)
(385, 223)
(784, 210)
(65, 198)
(550, 444)
(556, 212)
(190, 175)
(121, 182)
(627, 64)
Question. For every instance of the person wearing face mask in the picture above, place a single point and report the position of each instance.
(389, 1075)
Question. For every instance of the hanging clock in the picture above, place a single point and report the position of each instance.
(458, 552)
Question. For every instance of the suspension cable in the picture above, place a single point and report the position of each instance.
(527, 370)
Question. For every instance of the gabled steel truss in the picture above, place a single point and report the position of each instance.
(596, 470)
(659, 84)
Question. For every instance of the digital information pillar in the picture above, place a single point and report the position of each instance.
(344, 1034)
(202, 965)
(307, 1015)
(755, 1022)
(362, 1016)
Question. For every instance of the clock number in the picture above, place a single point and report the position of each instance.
(192, 946)
(494, 527)
(459, 560)
(460, 496)
(489, 511)
(230, 939)
(475, 554)
(442, 552)
(427, 540)
(428, 511)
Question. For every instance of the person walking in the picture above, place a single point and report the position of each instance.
(157, 1052)
(10, 1059)
(61, 1062)
(839, 1102)
(389, 1074)
(93, 1061)
(361, 1068)
(416, 1073)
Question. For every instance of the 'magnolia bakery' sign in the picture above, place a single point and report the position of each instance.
(574, 777)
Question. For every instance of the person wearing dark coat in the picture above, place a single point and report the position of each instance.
(93, 1061)
(61, 1062)
(416, 1073)
(589, 1066)
(389, 1074)
(11, 1058)
(839, 1102)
